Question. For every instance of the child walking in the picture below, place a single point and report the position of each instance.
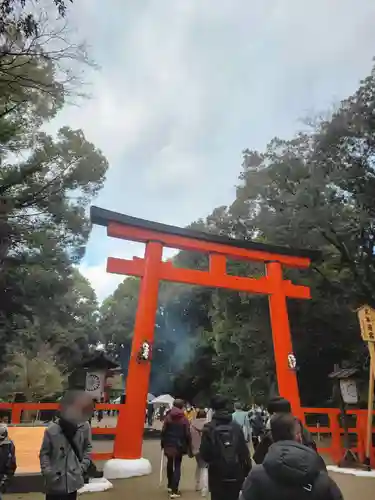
(201, 473)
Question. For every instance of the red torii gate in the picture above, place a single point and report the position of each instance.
(151, 269)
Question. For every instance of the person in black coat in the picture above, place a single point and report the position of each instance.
(224, 449)
(291, 470)
(279, 405)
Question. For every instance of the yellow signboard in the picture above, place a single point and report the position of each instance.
(366, 316)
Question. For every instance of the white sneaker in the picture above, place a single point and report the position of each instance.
(175, 495)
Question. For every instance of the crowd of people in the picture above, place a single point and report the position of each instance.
(239, 454)
(225, 446)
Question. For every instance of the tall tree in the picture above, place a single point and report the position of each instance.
(313, 191)
(36, 377)
(24, 15)
(46, 186)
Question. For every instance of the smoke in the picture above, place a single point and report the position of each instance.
(179, 321)
(175, 344)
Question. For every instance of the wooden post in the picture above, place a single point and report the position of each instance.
(130, 425)
(366, 316)
(336, 448)
(282, 340)
(370, 407)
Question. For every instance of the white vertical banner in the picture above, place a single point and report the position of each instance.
(95, 384)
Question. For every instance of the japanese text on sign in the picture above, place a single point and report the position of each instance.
(366, 317)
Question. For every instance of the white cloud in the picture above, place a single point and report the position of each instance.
(186, 85)
(102, 282)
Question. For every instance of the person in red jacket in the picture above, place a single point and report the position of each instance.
(176, 442)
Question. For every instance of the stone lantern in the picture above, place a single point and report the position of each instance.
(92, 374)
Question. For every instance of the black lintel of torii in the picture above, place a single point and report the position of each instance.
(103, 217)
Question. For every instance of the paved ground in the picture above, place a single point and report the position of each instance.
(147, 488)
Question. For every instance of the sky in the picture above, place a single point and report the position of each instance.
(185, 85)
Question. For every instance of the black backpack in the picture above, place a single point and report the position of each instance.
(226, 463)
(257, 424)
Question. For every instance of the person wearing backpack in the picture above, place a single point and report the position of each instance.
(8, 464)
(201, 473)
(291, 470)
(224, 449)
(66, 447)
(176, 442)
(279, 405)
(242, 418)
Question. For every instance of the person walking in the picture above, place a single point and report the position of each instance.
(150, 414)
(176, 442)
(190, 412)
(242, 418)
(291, 470)
(66, 447)
(162, 411)
(100, 414)
(224, 449)
(257, 427)
(201, 472)
(279, 405)
(8, 464)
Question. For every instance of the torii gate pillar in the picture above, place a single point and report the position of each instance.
(282, 339)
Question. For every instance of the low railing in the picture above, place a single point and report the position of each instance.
(16, 409)
(335, 446)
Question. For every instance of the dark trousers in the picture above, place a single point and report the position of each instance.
(255, 441)
(66, 496)
(174, 472)
(226, 491)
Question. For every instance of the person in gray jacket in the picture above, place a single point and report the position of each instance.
(65, 451)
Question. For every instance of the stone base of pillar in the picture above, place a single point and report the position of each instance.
(118, 468)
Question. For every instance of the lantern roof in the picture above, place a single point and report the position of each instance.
(342, 373)
(100, 361)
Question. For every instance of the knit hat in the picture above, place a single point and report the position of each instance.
(219, 403)
(279, 405)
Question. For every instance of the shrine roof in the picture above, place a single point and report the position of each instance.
(100, 361)
(103, 217)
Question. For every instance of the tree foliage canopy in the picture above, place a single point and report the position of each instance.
(36, 377)
(47, 183)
